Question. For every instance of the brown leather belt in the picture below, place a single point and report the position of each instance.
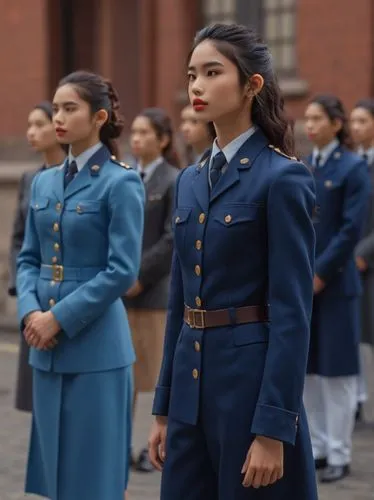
(201, 318)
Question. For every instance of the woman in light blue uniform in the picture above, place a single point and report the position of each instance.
(81, 253)
(230, 422)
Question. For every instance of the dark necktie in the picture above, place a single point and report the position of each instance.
(365, 157)
(318, 161)
(70, 174)
(142, 175)
(216, 168)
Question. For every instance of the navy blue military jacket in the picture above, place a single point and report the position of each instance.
(249, 242)
(342, 194)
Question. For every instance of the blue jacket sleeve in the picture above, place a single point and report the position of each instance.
(173, 327)
(28, 266)
(291, 243)
(125, 231)
(341, 246)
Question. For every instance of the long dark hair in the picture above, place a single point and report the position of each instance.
(334, 109)
(367, 104)
(99, 93)
(47, 109)
(242, 46)
(161, 124)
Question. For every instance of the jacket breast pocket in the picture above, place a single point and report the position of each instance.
(39, 204)
(84, 207)
(180, 223)
(231, 216)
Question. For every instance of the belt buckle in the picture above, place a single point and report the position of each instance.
(193, 314)
(57, 272)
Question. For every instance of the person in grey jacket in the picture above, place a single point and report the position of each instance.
(146, 302)
(42, 138)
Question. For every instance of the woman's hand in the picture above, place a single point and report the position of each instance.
(40, 330)
(318, 284)
(135, 290)
(361, 264)
(157, 442)
(264, 462)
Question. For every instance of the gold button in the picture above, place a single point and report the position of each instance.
(198, 244)
(52, 283)
(198, 301)
(202, 218)
(58, 206)
(195, 373)
(197, 270)
(177, 219)
(56, 246)
(79, 209)
(54, 260)
(52, 302)
(228, 219)
(56, 227)
(197, 346)
(36, 206)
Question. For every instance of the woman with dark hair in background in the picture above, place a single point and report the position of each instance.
(81, 253)
(41, 136)
(342, 187)
(152, 146)
(362, 129)
(198, 135)
(228, 405)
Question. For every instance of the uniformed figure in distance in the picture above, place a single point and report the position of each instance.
(230, 422)
(342, 188)
(81, 253)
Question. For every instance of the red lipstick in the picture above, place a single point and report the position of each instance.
(199, 104)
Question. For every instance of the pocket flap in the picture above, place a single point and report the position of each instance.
(251, 333)
(229, 215)
(40, 203)
(83, 206)
(181, 215)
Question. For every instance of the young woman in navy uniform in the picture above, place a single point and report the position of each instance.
(41, 136)
(228, 405)
(81, 253)
(362, 129)
(342, 186)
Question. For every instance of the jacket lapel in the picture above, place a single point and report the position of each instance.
(200, 183)
(58, 185)
(242, 160)
(91, 169)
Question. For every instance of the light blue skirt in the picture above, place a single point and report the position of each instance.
(81, 435)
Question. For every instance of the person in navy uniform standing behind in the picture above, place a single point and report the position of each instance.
(342, 186)
(81, 252)
(228, 405)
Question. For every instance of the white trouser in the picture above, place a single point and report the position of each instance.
(330, 404)
(362, 391)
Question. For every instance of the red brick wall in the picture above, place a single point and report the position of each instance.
(335, 49)
(23, 62)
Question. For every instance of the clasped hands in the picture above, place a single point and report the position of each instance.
(41, 329)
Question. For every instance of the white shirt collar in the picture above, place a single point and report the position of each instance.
(150, 168)
(83, 158)
(368, 152)
(232, 147)
(325, 152)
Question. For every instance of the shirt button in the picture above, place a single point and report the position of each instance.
(228, 219)
(198, 244)
(56, 246)
(58, 206)
(195, 373)
(197, 270)
(198, 301)
(54, 260)
(52, 302)
(56, 227)
(202, 218)
(197, 346)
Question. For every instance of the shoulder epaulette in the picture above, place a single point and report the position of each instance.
(120, 163)
(277, 150)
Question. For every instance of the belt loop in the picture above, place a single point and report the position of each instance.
(232, 315)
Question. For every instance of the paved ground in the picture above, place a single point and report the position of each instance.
(14, 436)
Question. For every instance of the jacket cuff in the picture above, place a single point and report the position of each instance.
(26, 307)
(275, 423)
(161, 401)
(68, 322)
